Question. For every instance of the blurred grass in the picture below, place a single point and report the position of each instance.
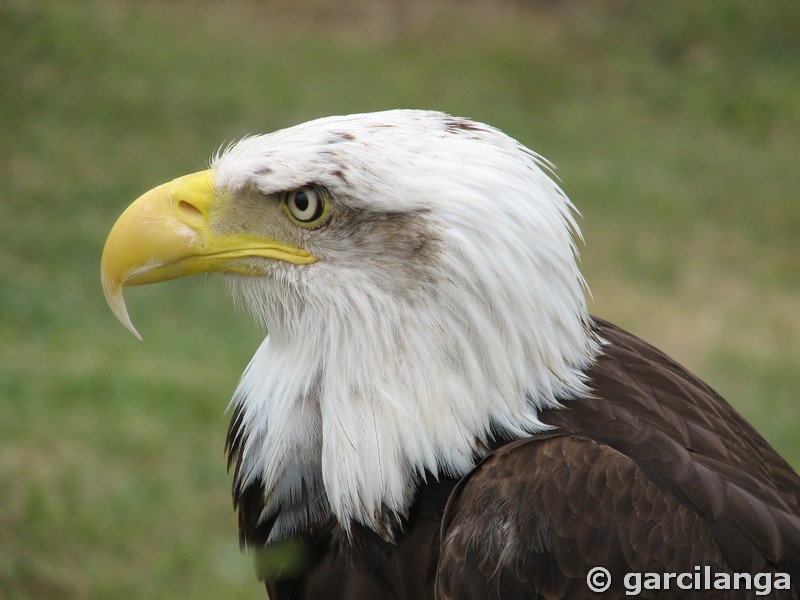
(674, 126)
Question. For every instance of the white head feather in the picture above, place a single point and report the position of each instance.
(446, 307)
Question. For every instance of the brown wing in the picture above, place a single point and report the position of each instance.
(654, 473)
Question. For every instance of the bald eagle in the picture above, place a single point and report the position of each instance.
(434, 413)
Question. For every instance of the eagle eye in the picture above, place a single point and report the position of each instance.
(307, 206)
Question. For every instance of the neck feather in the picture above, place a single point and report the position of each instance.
(349, 404)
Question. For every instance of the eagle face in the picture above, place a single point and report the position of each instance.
(417, 275)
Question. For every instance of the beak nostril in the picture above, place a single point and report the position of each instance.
(189, 210)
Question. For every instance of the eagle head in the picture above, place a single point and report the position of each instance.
(417, 275)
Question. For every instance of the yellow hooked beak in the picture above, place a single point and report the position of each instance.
(166, 233)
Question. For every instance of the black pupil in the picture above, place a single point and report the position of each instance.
(301, 201)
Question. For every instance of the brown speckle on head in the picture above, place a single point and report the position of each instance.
(337, 137)
(458, 125)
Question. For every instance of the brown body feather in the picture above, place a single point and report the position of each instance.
(653, 473)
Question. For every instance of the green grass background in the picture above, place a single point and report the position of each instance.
(674, 125)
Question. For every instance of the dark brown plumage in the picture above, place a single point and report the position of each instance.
(654, 472)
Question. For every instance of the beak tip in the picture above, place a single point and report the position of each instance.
(135, 333)
(116, 302)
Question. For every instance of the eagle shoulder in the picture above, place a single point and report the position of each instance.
(654, 472)
(538, 514)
